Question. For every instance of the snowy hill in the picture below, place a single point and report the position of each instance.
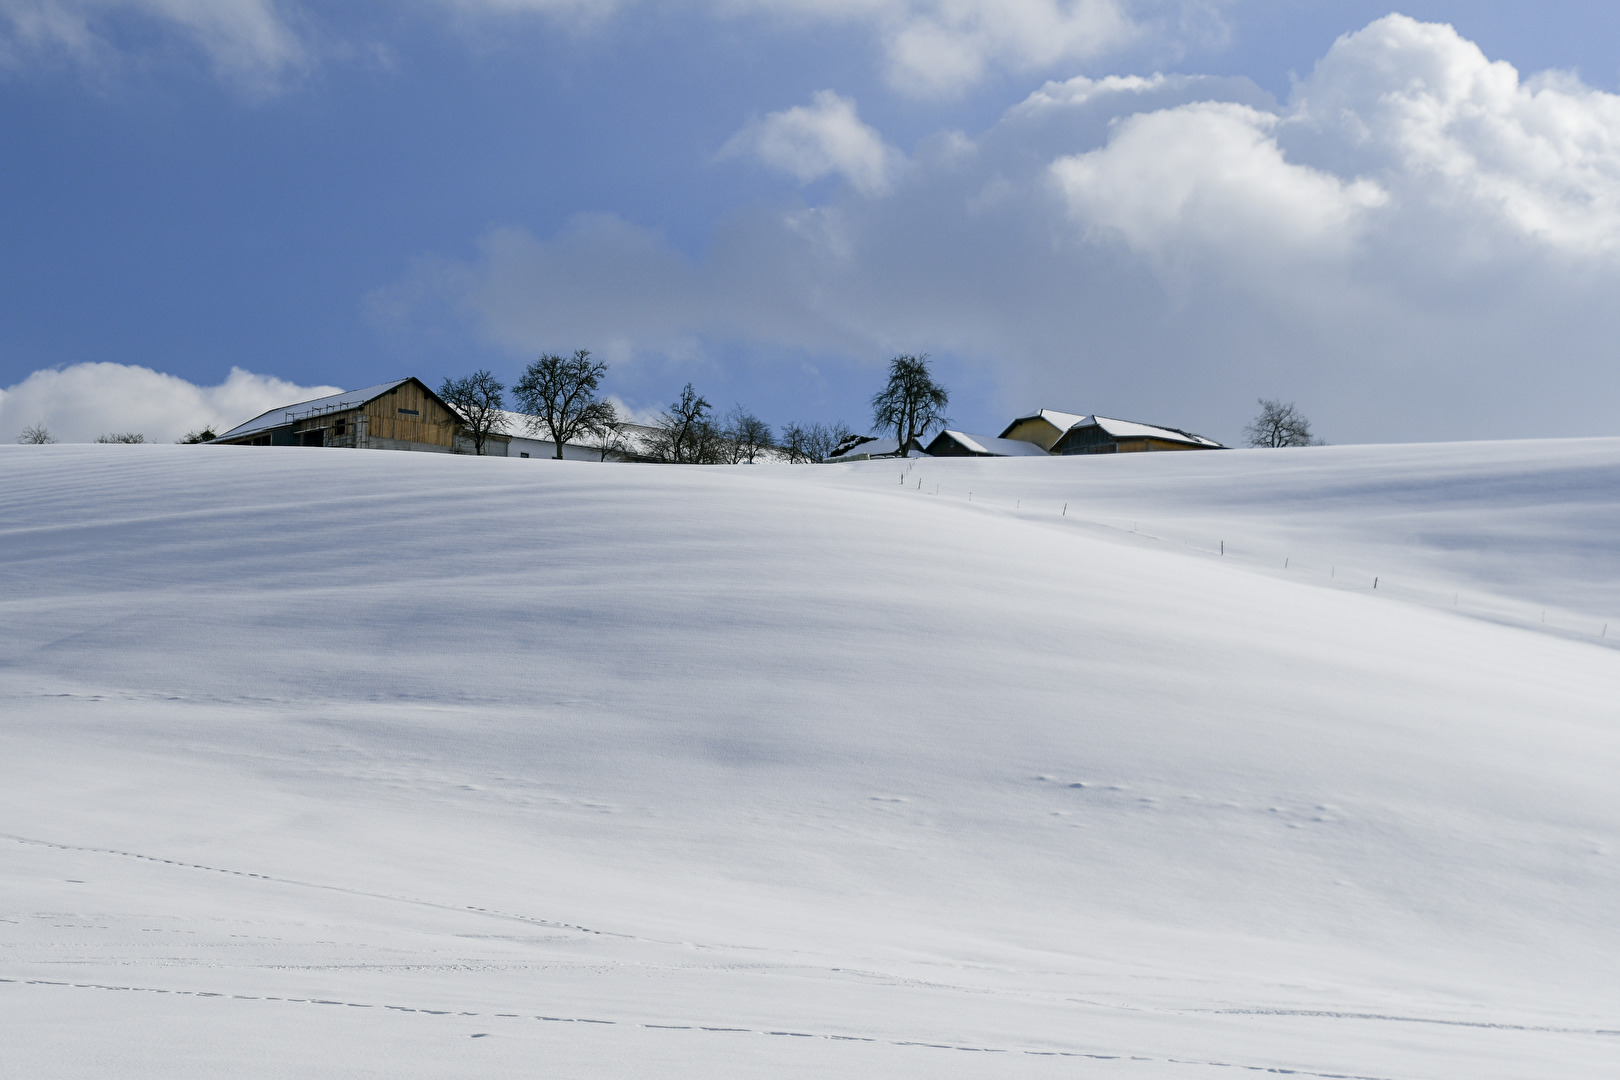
(330, 763)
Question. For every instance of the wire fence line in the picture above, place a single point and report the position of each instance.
(1346, 575)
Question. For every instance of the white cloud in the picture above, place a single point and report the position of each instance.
(938, 47)
(1419, 244)
(809, 142)
(251, 43)
(81, 402)
(1466, 137)
(1210, 176)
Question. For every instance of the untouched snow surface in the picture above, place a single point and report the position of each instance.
(333, 763)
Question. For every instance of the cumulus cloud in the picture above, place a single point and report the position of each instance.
(1210, 176)
(809, 142)
(84, 401)
(248, 42)
(1417, 244)
(1466, 137)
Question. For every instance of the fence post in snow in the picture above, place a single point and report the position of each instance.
(1223, 547)
(1375, 583)
(1065, 510)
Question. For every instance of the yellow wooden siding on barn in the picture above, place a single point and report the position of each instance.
(1036, 429)
(433, 424)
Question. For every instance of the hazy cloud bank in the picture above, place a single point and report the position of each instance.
(931, 48)
(253, 44)
(84, 401)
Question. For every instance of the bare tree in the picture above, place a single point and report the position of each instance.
(813, 442)
(559, 394)
(911, 403)
(477, 397)
(1279, 424)
(35, 435)
(746, 435)
(607, 435)
(686, 432)
(201, 435)
(122, 437)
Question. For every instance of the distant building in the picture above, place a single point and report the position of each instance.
(399, 415)
(1044, 427)
(1104, 435)
(961, 444)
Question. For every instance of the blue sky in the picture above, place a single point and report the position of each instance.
(770, 199)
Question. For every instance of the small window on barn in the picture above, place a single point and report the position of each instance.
(408, 412)
(523, 454)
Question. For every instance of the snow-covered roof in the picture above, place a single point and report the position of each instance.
(861, 447)
(987, 444)
(865, 447)
(1127, 429)
(286, 414)
(1063, 421)
(638, 438)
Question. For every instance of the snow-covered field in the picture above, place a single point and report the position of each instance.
(334, 763)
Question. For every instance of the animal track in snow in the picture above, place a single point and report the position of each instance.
(768, 1032)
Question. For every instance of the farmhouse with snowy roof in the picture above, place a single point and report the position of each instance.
(1043, 427)
(400, 415)
(1105, 435)
(961, 444)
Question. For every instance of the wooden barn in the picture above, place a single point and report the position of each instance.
(400, 415)
(1103, 435)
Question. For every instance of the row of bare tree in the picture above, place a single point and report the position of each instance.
(560, 400)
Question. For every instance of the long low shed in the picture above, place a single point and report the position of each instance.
(400, 415)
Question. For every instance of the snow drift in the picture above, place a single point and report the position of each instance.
(348, 764)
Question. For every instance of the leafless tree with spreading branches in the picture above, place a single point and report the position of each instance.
(911, 403)
(477, 397)
(810, 443)
(1279, 424)
(560, 395)
(686, 432)
(746, 435)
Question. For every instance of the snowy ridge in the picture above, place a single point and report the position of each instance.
(346, 763)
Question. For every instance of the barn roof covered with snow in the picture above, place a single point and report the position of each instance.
(287, 414)
(961, 444)
(1106, 435)
(1043, 427)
